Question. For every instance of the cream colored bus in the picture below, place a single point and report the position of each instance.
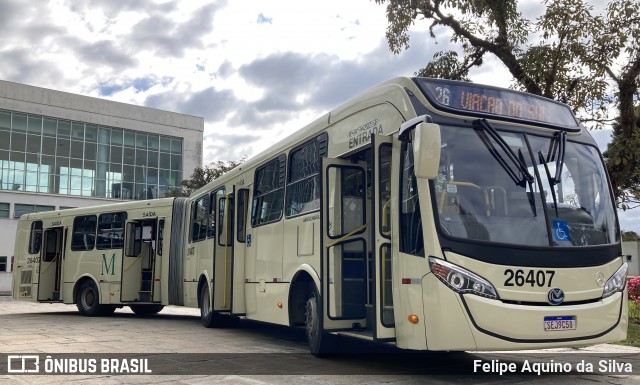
(425, 213)
(99, 258)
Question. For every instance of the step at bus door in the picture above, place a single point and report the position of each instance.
(51, 258)
(138, 261)
(344, 245)
(381, 311)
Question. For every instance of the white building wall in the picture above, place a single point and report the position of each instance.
(631, 250)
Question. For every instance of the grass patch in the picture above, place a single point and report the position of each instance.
(633, 334)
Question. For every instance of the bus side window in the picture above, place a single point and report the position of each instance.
(268, 192)
(303, 180)
(200, 210)
(35, 240)
(110, 230)
(84, 233)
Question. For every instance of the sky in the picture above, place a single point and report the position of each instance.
(256, 70)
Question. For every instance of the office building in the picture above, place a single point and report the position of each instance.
(60, 150)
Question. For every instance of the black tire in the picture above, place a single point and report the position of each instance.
(208, 318)
(320, 342)
(88, 299)
(146, 309)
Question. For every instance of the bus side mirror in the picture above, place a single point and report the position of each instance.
(426, 150)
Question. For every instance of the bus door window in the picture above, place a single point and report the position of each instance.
(148, 243)
(411, 238)
(51, 246)
(241, 219)
(160, 237)
(225, 210)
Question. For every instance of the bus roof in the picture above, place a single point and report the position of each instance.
(120, 206)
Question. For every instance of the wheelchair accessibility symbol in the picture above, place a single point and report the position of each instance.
(560, 230)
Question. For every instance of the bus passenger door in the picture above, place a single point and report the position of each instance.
(138, 261)
(382, 309)
(51, 257)
(223, 254)
(344, 245)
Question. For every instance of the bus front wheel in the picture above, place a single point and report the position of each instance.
(320, 342)
(88, 299)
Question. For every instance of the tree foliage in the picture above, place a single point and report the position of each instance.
(630, 236)
(203, 175)
(570, 53)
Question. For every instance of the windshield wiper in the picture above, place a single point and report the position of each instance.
(556, 153)
(551, 181)
(516, 160)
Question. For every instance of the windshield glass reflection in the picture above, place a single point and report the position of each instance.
(477, 197)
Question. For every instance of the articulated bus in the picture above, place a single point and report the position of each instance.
(425, 213)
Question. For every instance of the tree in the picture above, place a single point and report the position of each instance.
(569, 53)
(203, 175)
(630, 236)
(623, 162)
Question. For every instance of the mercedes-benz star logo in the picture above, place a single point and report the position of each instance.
(555, 296)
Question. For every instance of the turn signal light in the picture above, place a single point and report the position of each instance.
(413, 319)
(279, 305)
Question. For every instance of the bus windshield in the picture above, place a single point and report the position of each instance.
(483, 194)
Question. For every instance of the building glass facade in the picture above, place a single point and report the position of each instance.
(49, 155)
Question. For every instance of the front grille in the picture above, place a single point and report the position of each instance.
(525, 303)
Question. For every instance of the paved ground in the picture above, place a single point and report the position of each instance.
(253, 353)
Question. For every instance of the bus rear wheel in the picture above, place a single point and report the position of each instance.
(208, 318)
(146, 309)
(88, 300)
(320, 342)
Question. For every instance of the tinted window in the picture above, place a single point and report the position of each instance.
(84, 233)
(268, 192)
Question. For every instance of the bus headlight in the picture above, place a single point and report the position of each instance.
(616, 282)
(461, 280)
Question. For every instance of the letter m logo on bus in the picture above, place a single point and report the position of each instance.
(109, 267)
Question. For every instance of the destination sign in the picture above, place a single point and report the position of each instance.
(497, 102)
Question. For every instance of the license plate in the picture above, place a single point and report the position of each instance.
(560, 323)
